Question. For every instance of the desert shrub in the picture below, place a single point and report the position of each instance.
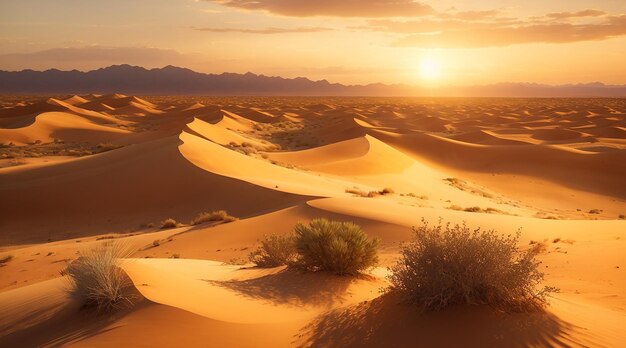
(339, 247)
(156, 243)
(96, 277)
(275, 250)
(449, 265)
(356, 192)
(169, 223)
(219, 215)
(5, 259)
(387, 191)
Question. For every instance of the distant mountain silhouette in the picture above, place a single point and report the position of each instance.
(172, 80)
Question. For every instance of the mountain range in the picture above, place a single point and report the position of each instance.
(172, 80)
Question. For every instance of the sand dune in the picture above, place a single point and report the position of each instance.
(63, 126)
(360, 156)
(100, 195)
(121, 164)
(565, 167)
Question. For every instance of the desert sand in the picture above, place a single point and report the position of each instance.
(79, 170)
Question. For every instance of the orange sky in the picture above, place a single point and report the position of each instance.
(351, 41)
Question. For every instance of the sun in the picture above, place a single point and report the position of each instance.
(429, 68)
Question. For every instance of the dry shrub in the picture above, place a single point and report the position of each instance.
(275, 250)
(339, 247)
(356, 192)
(5, 259)
(387, 191)
(96, 276)
(451, 265)
(169, 223)
(219, 215)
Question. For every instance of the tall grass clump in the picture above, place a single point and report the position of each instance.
(448, 265)
(96, 277)
(214, 216)
(275, 250)
(339, 247)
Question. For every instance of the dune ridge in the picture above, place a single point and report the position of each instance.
(79, 170)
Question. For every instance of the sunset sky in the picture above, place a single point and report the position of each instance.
(446, 42)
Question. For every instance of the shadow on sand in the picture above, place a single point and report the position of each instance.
(293, 287)
(65, 322)
(386, 322)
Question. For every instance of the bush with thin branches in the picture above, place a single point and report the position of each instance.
(447, 265)
(339, 247)
(96, 277)
(275, 250)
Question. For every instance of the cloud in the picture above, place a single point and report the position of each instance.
(333, 8)
(470, 15)
(583, 13)
(265, 30)
(90, 57)
(484, 29)
(482, 36)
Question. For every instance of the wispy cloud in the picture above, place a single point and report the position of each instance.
(488, 29)
(91, 57)
(333, 8)
(270, 30)
(583, 13)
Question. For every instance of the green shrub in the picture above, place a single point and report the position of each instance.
(275, 250)
(339, 247)
(96, 277)
(444, 266)
(219, 215)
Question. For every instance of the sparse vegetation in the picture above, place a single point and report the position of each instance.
(465, 186)
(339, 247)
(477, 209)
(448, 265)
(156, 243)
(214, 216)
(55, 148)
(169, 223)
(96, 276)
(621, 216)
(5, 259)
(387, 191)
(275, 250)
(595, 211)
(355, 191)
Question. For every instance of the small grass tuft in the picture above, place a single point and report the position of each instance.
(5, 259)
(214, 216)
(169, 223)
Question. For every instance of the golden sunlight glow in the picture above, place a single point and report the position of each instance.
(429, 68)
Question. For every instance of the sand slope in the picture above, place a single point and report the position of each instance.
(552, 169)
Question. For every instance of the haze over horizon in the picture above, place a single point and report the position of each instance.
(456, 43)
